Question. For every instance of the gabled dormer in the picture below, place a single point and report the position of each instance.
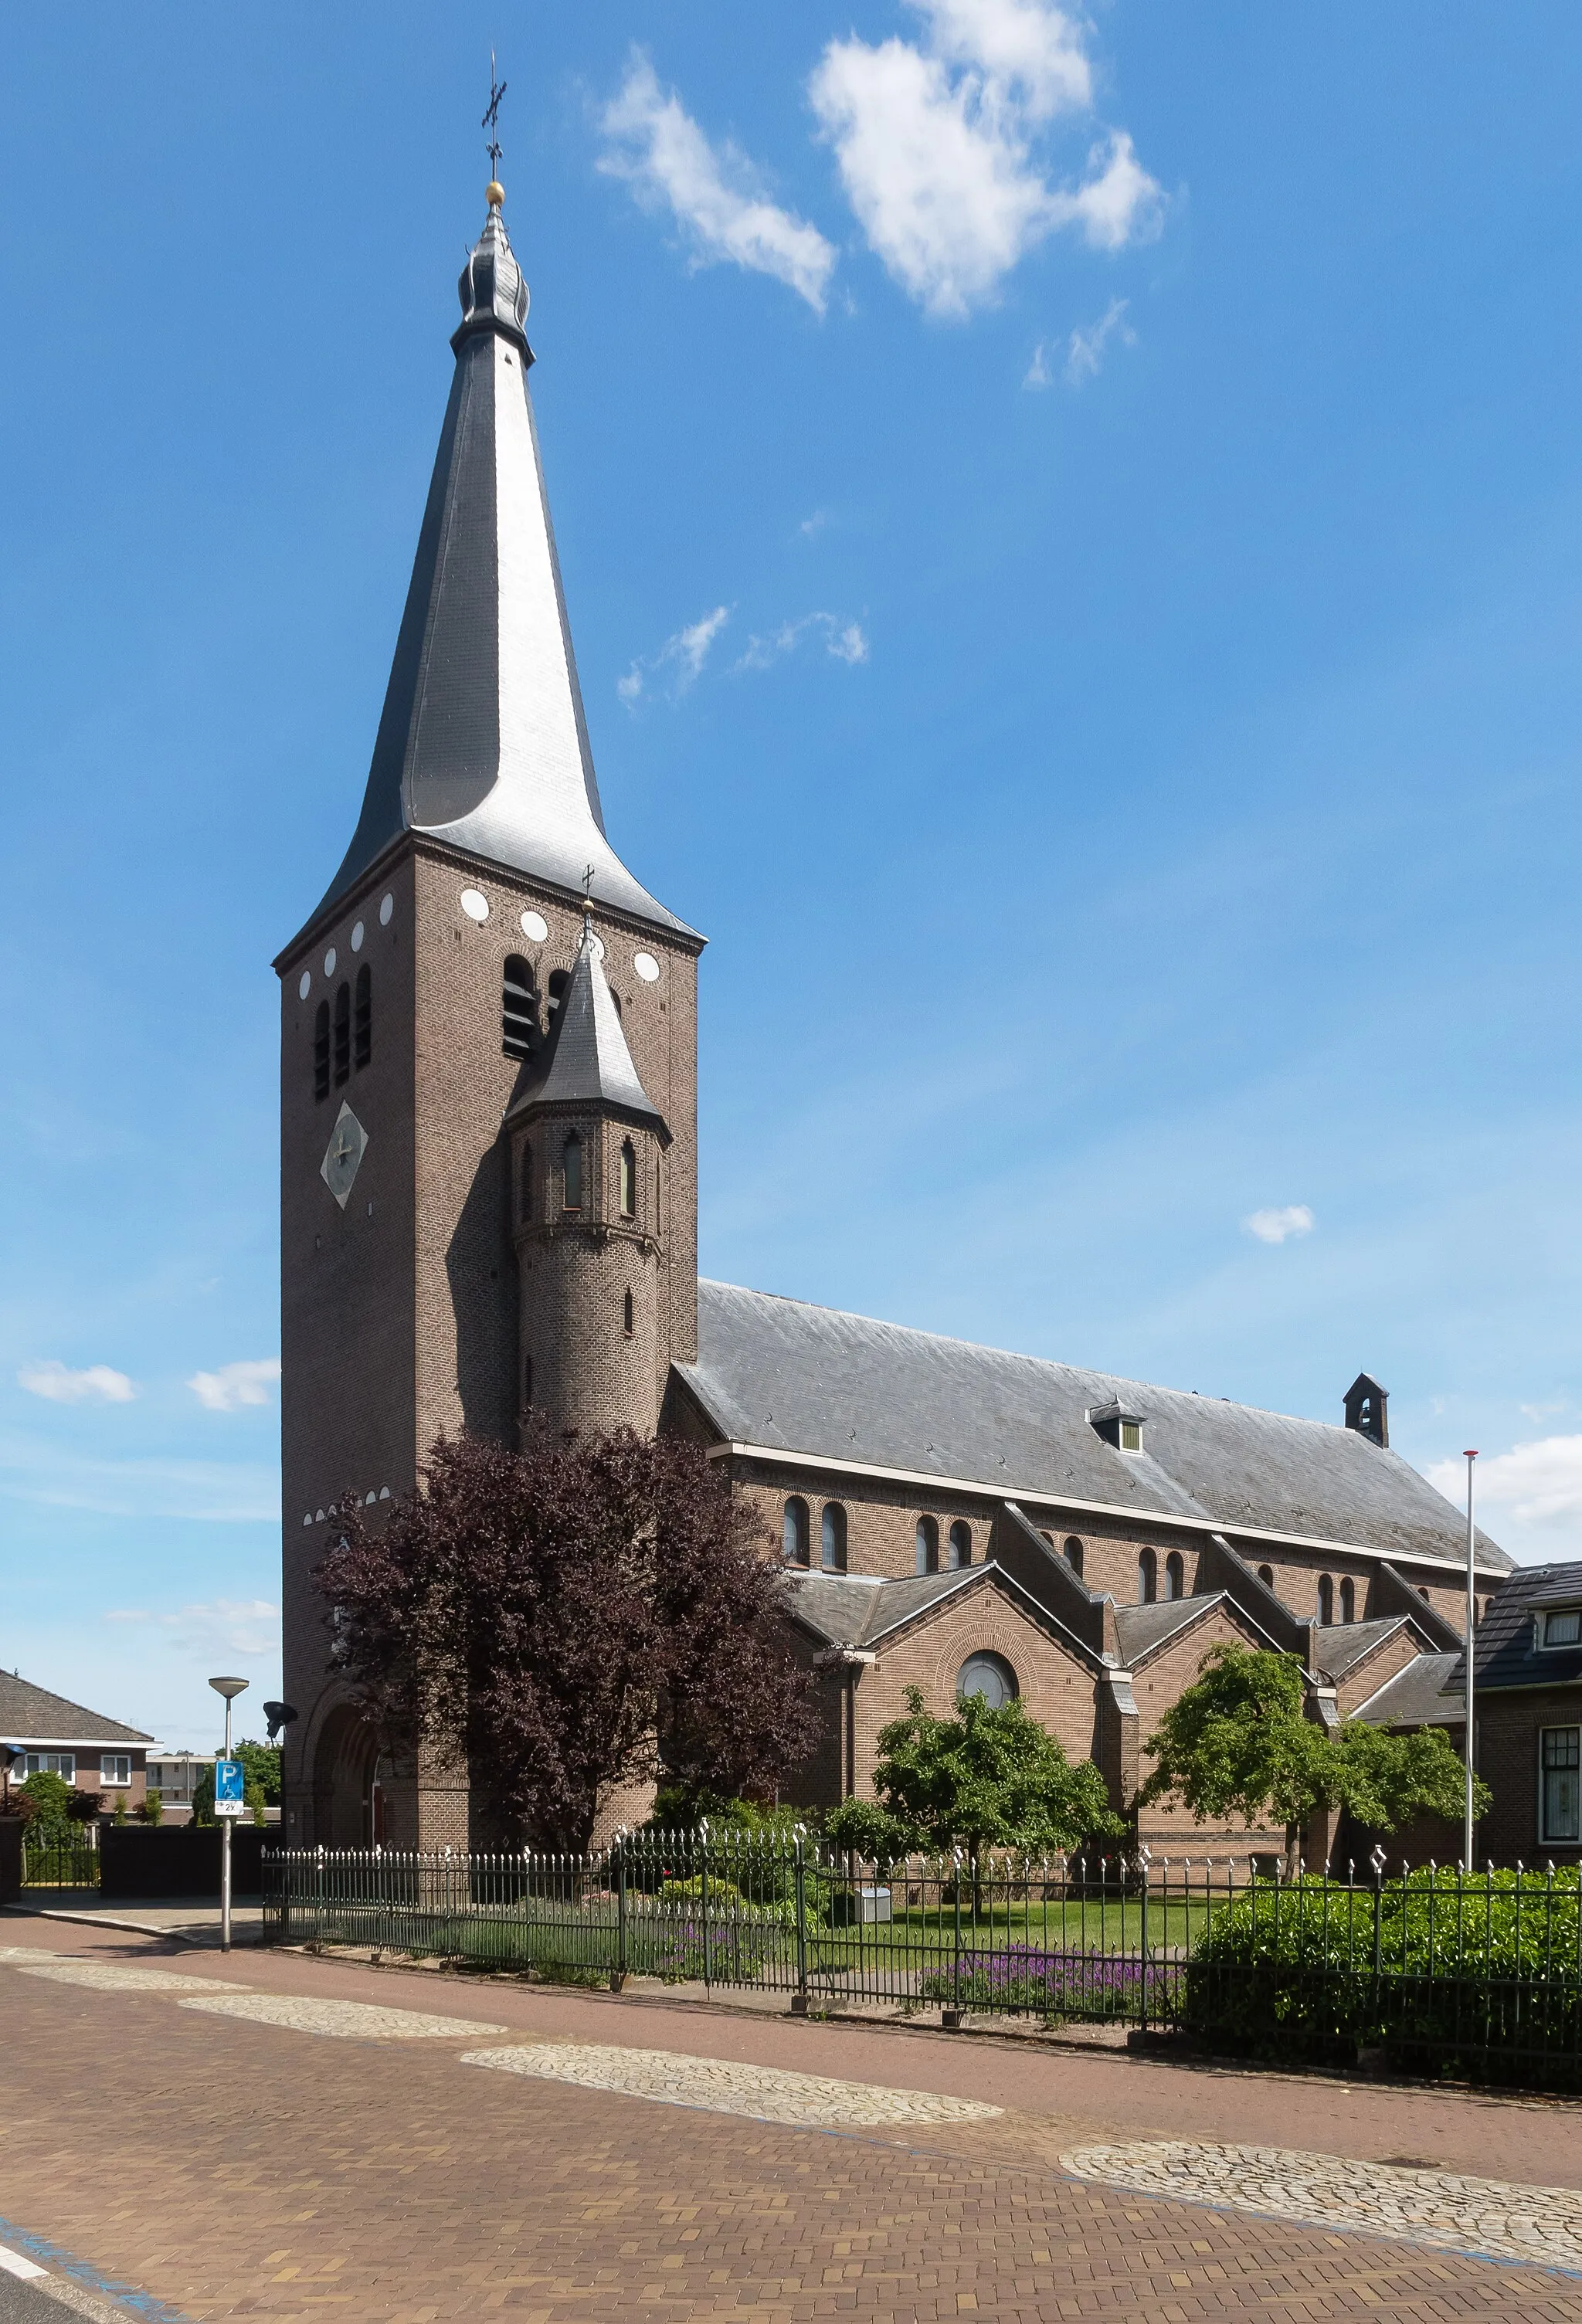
(1118, 1425)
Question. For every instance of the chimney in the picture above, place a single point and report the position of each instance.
(1367, 1408)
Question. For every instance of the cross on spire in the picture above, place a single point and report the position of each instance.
(491, 120)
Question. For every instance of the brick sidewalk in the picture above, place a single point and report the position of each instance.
(231, 2168)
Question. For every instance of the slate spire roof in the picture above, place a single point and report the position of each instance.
(483, 741)
(588, 1063)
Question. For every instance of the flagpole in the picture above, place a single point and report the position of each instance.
(1471, 1647)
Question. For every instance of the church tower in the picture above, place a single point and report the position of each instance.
(488, 1070)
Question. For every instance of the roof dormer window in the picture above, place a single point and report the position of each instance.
(1563, 1628)
(1118, 1425)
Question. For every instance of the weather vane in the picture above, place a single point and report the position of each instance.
(491, 120)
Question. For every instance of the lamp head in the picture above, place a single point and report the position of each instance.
(229, 1687)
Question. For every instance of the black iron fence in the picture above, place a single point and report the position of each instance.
(59, 1864)
(1475, 1974)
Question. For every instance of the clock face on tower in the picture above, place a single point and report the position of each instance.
(348, 1142)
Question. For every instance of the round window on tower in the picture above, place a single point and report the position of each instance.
(990, 1677)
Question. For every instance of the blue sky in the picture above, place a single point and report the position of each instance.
(1071, 525)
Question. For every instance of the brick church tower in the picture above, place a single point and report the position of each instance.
(488, 1069)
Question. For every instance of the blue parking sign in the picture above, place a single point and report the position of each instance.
(229, 1788)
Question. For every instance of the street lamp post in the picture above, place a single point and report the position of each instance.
(1471, 1649)
(230, 1688)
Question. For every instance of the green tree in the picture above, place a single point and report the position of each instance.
(986, 1777)
(254, 1801)
(150, 1810)
(1236, 1743)
(49, 1823)
(203, 1798)
(261, 1766)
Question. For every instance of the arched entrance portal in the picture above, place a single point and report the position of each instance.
(348, 1798)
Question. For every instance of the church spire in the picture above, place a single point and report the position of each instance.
(483, 743)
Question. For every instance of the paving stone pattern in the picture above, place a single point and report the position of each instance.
(379, 2183)
(1433, 2207)
(353, 2021)
(764, 2093)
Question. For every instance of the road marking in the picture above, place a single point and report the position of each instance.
(15, 2264)
(1482, 2218)
(348, 2020)
(762, 2093)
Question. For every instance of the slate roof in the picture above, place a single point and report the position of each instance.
(850, 1612)
(1415, 1696)
(482, 741)
(784, 1374)
(1139, 1629)
(588, 1061)
(1508, 1654)
(1344, 1644)
(32, 1714)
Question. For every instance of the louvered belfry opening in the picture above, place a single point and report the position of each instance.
(322, 1051)
(343, 1034)
(363, 1019)
(519, 1009)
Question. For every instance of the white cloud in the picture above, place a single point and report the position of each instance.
(844, 640)
(713, 192)
(1537, 1484)
(1085, 346)
(234, 1385)
(1279, 1226)
(96, 1383)
(812, 526)
(249, 1626)
(936, 146)
(685, 654)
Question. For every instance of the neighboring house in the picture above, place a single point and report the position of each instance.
(489, 1176)
(174, 1775)
(46, 1734)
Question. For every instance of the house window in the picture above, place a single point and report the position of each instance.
(833, 1537)
(115, 1768)
(571, 1162)
(53, 1763)
(990, 1677)
(628, 1180)
(1131, 1437)
(343, 1034)
(927, 1545)
(628, 1315)
(1348, 1600)
(322, 1051)
(1147, 1578)
(1326, 1600)
(1559, 1806)
(1175, 1575)
(1074, 1552)
(1266, 1576)
(519, 1009)
(1563, 1631)
(363, 1019)
(795, 1532)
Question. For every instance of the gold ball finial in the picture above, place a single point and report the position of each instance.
(494, 194)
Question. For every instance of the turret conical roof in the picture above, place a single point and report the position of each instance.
(483, 741)
(588, 1061)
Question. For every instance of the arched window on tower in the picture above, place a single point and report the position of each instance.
(363, 1019)
(795, 1532)
(833, 1537)
(628, 1314)
(1348, 1602)
(1326, 1600)
(628, 1180)
(1266, 1576)
(1074, 1554)
(519, 1009)
(571, 1168)
(927, 1545)
(322, 1051)
(1147, 1578)
(524, 1183)
(559, 978)
(1175, 1575)
(343, 1034)
(961, 1543)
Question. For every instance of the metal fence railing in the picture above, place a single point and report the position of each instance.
(1478, 1975)
(60, 1864)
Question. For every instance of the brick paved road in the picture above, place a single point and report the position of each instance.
(229, 2166)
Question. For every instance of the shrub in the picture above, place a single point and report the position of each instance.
(150, 1810)
(1473, 1969)
(1056, 1986)
(49, 1799)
